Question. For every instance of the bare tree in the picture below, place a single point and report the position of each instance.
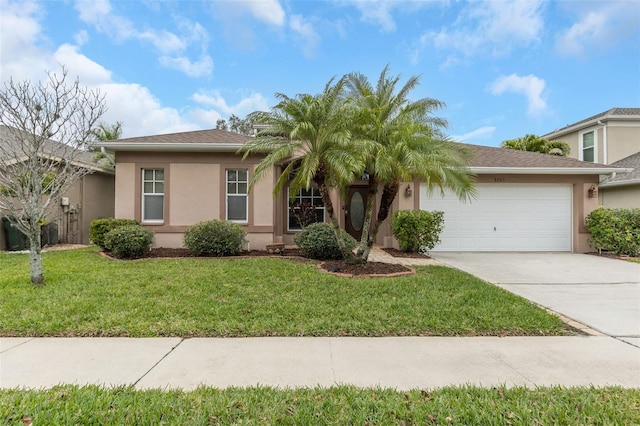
(46, 129)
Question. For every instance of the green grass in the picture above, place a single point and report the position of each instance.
(92, 405)
(89, 295)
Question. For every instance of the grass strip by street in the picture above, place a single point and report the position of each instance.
(87, 294)
(466, 405)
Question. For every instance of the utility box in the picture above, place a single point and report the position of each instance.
(16, 240)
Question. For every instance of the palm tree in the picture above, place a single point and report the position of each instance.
(401, 140)
(308, 135)
(105, 132)
(535, 143)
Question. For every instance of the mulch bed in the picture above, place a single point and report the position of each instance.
(338, 267)
(397, 253)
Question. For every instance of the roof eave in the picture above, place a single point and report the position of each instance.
(172, 147)
(620, 183)
(547, 170)
(575, 127)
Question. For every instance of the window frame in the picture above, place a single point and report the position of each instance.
(228, 194)
(299, 196)
(144, 195)
(594, 147)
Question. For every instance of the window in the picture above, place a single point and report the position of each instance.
(305, 208)
(588, 147)
(237, 185)
(153, 195)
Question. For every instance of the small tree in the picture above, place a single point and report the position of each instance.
(46, 129)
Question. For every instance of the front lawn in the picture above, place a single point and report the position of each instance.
(344, 405)
(89, 295)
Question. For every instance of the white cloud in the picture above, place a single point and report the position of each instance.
(171, 47)
(529, 86)
(378, 12)
(249, 104)
(599, 26)
(481, 133)
(132, 104)
(201, 67)
(488, 27)
(307, 34)
(269, 11)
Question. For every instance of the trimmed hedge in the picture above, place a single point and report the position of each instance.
(318, 241)
(417, 230)
(214, 238)
(616, 230)
(100, 227)
(129, 241)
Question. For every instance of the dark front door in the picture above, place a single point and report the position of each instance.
(354, 210)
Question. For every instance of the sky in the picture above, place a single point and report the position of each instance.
(503, 68)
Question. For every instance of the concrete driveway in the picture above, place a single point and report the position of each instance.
(599, 292)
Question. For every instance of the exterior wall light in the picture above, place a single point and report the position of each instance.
(408, 192)
(592, 191)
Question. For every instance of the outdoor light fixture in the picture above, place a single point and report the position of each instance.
(408, 192)
(593, 191)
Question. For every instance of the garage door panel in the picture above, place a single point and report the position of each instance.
(505, 217)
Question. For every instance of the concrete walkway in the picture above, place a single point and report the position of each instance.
(397, 362)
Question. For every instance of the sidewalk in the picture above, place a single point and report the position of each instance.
(398, 362)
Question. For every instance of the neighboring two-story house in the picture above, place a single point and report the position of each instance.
(611, 138)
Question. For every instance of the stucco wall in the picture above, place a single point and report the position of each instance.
(620, 197)
(194, 191)
(622, 140)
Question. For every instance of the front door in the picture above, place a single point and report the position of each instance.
(354, 211)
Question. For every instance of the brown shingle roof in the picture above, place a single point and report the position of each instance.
(486, 156)
(632, 162)
(212, 136)
(631, 112)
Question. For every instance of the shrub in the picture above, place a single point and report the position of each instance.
(214, 238)
(318, 241)
(129, 241)
(616, 230)
(100, 227)
(417, 230)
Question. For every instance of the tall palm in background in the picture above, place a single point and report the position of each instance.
(539, 144)
(106, 132)
(401, 139)
(308, 135)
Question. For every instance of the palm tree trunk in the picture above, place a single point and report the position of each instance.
(389, 193)
(365, 240)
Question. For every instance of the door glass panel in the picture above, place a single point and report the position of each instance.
(356, 211)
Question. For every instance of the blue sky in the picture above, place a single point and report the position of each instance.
(504, 69)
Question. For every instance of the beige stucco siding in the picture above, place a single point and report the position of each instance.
(195, 193)
(620, 139)
(125, 202)
(620, 197)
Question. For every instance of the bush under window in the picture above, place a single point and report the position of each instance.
(129, 241)
(215, 238)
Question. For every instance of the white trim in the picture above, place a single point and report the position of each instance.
(175, 147)
(227, 195)
(151, 194)
(576, 127)
(581, 145)
(548, 170)
(620, 183)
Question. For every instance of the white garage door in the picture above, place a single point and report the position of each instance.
(504, 217)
